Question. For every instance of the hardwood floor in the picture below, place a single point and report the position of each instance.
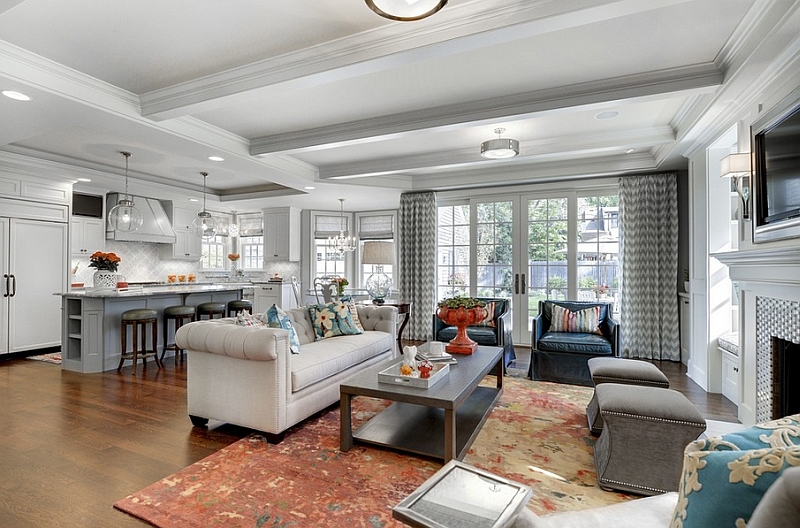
(73, 444)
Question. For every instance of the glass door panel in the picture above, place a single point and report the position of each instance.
(494, 249)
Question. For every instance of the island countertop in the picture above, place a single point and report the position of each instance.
(160, 289)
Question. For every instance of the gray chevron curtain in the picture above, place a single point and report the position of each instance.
(649, 250)
(418, 261)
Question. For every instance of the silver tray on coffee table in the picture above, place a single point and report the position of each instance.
(392, 375)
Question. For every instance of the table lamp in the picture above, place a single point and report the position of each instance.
(378, 253)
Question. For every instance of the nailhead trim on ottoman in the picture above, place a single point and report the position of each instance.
(624, 371)
(646, 431)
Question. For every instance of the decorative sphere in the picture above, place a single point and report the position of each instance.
(379, 285)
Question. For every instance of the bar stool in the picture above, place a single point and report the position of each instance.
(210, 309)
(139, 319)
(239, 306)
(181, 315)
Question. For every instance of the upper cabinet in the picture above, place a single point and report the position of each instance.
(30, 189)
(281, 234)
(187, 244)
(86, 235)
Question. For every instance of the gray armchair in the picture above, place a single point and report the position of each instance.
(563, 356)
(495, 333)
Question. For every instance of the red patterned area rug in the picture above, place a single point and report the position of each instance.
(536, 435)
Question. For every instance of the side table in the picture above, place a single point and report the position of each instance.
(403, 309)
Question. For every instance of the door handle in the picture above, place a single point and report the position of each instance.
(516, 283)
(523, 284)
(8, 284)
(14, 291)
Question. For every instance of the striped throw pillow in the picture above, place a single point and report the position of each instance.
(565, 320)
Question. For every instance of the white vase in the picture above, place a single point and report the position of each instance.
(105, 279)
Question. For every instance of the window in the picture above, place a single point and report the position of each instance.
(327, 261)
(251, 240)
(452, 253)
(376, 226)
(215, 253)
(598, 247)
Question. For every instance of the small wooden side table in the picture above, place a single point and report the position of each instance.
(403, 308)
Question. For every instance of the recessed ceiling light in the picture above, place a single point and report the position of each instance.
(194, 200)
(216, 158)
(16, 95)
(309, 187)
(608, 114)
(84, 180)
(630, 151)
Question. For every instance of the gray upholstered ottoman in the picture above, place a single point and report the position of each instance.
(646, 430)
(618, 370)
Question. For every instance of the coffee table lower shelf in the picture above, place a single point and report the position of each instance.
(421, 430)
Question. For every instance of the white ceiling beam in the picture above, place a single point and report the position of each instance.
(688, 79)
(456, 30)
(532, 152)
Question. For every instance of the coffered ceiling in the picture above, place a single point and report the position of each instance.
(326, 94)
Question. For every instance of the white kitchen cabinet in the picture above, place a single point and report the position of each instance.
(187, 246)
(31, 189)
(730, 376)
(86, 235)
(277, 293)
(33, 268)
(282, 234)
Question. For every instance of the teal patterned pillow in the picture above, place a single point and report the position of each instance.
(323, 319)
(348, 324)
(722, 488)
(276, 315)
(783, 432)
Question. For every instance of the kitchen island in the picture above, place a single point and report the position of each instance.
(90, 327)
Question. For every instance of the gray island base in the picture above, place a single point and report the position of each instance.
(90, 328)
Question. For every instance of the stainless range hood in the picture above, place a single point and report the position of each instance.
(156, 227)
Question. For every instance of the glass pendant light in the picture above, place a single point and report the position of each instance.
(204, 225)
(125, 216)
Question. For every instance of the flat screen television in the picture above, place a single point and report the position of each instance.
(776, 172)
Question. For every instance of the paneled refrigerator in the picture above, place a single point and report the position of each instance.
(33, 268)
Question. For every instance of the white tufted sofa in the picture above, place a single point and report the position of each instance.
(247, 376)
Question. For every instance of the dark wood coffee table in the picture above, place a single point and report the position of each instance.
(440, 422)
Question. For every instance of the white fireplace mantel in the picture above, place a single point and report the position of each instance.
(773, 276)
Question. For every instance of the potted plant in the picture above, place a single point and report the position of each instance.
(461, 312)
(106, 265)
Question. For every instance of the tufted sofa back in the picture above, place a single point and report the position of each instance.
(380, 318)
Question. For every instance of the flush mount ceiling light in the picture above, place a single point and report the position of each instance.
(125, 216)
(406, 10)
(500, 147)
(216, 158)
(608, 114)
(204, 225)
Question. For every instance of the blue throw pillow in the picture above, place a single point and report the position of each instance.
(348, 324)
(783, 432)
(722, 488)
(323, 319)
(276, 315)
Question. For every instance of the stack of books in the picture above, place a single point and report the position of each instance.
(435, 357)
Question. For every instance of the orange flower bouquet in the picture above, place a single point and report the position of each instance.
(233, 257)
(104, 261)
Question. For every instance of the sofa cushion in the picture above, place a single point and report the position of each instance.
(578, 343)
(328, 357)
(722, 488)
(332, 319)
(276, 315)
(547, 307)
(245, 319)
(586, 320)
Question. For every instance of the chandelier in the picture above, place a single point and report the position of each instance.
(341, 242)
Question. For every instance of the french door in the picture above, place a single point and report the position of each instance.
(530, 247)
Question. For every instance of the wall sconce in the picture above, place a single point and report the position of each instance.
(737, 167)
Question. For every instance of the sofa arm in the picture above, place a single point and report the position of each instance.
(612, 331)
(242, 342)
(537, 330)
